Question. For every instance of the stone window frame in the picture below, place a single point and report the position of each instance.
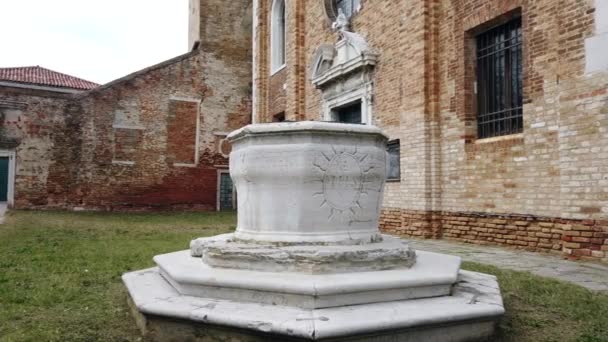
(197, 133)
(362, 94)
(472, 26)
(278, 48)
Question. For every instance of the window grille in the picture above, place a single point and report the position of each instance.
(499, 81)
(349, 114)
(394, 160)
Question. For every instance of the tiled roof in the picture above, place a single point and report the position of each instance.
(40, 76)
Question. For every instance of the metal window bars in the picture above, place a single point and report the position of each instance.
(499, 80)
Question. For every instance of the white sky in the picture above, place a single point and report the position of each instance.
(97, 40)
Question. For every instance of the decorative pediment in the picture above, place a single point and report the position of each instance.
(349, 55)
(322, 60)
(344, 73)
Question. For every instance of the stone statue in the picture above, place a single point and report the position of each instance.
(342, 23)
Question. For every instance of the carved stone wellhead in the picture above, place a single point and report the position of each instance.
(309, 182)
(307, 261)
(305, 184)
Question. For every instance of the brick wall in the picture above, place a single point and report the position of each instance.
(153, 139)
(208, 89)
(182, 124)
(34, 124)
(552, 173)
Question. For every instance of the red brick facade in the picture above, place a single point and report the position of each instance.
(552, 176)
(153, 139)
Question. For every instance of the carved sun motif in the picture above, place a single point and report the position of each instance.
(344, 176)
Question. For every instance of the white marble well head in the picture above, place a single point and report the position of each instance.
(308, 182)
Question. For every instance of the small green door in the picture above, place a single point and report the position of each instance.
(3, 179)
(226, 192)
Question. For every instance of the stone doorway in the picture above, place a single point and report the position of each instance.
(7, 176)
(4, 162)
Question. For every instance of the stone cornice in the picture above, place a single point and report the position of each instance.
(341, 70)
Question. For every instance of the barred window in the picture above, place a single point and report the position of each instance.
(499, 80)
(394, 161)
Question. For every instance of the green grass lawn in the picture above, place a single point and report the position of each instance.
(60, 279)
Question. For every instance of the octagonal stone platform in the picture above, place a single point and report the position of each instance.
(468, 313)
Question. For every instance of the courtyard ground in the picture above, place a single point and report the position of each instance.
(593, 276)
(60, 279)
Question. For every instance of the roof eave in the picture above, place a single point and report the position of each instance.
(41, 87)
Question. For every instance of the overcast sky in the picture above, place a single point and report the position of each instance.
(96, 40)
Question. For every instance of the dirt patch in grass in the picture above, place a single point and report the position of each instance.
(60, 279)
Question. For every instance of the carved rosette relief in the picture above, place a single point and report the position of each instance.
(347, 176)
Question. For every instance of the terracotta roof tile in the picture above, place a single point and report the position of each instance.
(42, 76)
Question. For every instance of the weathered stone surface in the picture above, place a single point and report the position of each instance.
(469, 313)
(308, 182)
(432, 275)
(226, 251)
(294, 279)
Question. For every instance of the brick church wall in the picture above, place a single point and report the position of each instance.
(543, 189)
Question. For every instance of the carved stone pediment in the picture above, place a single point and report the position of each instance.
(351, 54)
(344, 73)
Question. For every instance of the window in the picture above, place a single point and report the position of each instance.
(499, 81)
(349, 114)
(226, 192)
(394, 161)
(349, 7)
(277, 35)
(278, 117)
